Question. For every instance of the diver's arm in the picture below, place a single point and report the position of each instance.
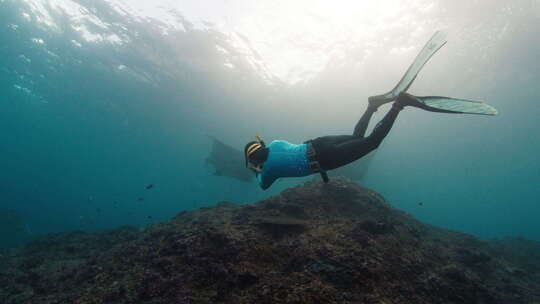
(261, 183)
(264, 183)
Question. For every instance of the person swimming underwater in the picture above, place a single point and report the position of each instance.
(283, 159)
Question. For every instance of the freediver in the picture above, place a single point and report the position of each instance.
(283, 159)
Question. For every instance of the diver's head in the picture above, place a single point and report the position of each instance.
(255, 153)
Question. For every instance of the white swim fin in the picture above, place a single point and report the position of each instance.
(437, 41)
(454, 105)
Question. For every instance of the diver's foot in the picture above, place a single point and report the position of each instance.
(376, 101)
(405, 99)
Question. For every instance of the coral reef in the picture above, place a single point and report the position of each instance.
(315, 243)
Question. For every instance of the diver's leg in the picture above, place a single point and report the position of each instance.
(362, 124)
(345, 152)
(383, 127)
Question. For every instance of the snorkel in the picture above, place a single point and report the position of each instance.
(259, 139)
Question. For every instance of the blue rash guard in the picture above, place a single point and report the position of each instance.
(284, 160)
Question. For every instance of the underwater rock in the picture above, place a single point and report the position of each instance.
(378, 227)
(279, 227)
(314, 243)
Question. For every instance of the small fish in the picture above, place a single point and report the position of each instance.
(140, 199)
(149, 216)
(150, 186)
(420, 204)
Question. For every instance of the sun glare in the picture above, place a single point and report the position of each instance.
(293, 40)
(297, 39)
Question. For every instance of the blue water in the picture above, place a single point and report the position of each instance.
(87, 125)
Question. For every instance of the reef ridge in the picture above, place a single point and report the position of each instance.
(314, 243)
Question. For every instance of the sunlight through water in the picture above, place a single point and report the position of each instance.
(293, 40)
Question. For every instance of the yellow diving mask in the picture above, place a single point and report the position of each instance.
(251, 148)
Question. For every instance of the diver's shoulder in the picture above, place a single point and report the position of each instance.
(279, 143)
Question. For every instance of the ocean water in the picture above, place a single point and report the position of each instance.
(100, 99)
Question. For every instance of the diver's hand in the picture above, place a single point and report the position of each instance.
(256, 169)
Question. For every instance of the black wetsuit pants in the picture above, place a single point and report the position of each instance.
(338, 150)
